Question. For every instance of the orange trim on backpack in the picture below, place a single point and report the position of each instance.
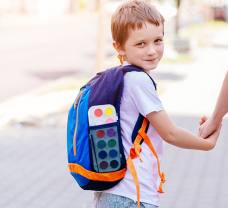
(109, 177)
(77, 100)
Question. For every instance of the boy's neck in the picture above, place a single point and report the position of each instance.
(125, 63)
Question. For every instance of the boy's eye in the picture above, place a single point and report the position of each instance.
(141, 44)
(159, 40)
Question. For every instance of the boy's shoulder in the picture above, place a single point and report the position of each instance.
(130, 74)
(136, 78)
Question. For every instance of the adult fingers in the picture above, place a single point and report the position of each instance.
(202, 120)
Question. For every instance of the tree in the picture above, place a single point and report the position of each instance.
(182, 45)
(75, 6)
(100, 52)
(23, 6)
(177, 18)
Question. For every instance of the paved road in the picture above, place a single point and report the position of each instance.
(195, 178)
(34, 171)
(34, 174)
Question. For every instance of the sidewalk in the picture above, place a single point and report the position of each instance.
(34, 173)
(195, 178)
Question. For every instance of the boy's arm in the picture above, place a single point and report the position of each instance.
(178, 136)
(221, 109)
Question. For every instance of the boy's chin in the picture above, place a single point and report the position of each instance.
(146, 67)
(149, 68)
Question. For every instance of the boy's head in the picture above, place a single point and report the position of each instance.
(137, 31)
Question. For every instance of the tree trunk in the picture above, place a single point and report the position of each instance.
(100, 51)
(74, 6)
(177, 18)
(23, 7)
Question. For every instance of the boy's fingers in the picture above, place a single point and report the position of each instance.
(204, 134)
(200, 131)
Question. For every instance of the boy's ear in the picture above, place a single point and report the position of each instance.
(118, 48)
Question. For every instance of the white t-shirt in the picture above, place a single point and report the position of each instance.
(139, 97)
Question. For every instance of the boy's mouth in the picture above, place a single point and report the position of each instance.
(150, 60)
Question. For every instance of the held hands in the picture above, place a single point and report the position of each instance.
(207, 127)
(208, 130)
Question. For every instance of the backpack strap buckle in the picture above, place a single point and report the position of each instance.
(136, 148)
(135, 151)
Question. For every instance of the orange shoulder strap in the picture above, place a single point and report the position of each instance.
(132, 170)
(135, 152)
(147, 140)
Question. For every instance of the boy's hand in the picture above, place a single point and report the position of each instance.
(212, 139)
(207, 127)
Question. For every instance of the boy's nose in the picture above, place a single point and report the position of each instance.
(151, 50)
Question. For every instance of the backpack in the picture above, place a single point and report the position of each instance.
(96, 157)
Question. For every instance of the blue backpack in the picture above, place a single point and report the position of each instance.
(95, 151)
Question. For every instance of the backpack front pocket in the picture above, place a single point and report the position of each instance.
(106, 148)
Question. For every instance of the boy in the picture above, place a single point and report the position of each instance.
(137, 31)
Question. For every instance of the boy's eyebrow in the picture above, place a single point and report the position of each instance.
(160, 36)
(140, 40)
(156, 37)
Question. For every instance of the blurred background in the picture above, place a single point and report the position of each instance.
(50, 48)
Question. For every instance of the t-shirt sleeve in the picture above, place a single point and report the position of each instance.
(144, 95)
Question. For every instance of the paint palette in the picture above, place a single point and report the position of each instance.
(104, 138)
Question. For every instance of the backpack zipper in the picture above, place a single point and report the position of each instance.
(77, 101)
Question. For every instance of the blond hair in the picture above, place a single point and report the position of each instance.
(132, 15)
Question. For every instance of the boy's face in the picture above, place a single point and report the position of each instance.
(144, 47)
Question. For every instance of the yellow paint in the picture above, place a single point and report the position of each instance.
(108, 111)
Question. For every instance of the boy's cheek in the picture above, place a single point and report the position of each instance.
(161, 51)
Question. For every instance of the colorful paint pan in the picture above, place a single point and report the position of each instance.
(102, 154)
(100, 133)
(98, 112)
(109, 120)
(113, 153)
(101, 144)
(112, 143)
(103, 165)
(108, 111)
(111, 132)
(114, 163)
